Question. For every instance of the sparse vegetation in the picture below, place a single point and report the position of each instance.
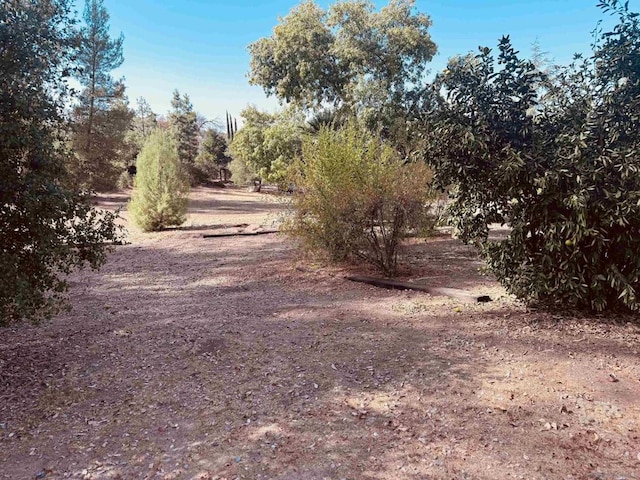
(358, 200)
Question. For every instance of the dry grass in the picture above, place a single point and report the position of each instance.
(192, 358)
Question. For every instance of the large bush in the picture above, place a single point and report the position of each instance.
(160, 194)
(556, 157)
(357, 199)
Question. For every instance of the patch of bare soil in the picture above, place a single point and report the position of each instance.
(230, 358)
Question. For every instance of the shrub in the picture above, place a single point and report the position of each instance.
(161, 186)
(356, 199)
(557, 159)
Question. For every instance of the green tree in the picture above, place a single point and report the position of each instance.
(160, 195)
(143, 123)
(183, 120)
(241, 172)
(213, 153)
(558, 164)
(268, 143)
(102, 117)
(361, 61)
(145, 120)
(48, 229)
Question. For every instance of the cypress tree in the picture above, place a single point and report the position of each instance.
(161, 188)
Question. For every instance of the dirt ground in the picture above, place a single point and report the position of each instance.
(235, 358)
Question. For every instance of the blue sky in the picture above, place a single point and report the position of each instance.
(200, 46)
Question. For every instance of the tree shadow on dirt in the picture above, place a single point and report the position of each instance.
(223, 360)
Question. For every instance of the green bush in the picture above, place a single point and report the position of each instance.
(356, 199)
(555, 157)
(161, 186)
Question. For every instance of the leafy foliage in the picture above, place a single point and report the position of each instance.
(161, 189)
(556, 159)
(358, 200)
(184, 124)
(241, 172)
(213, 153)
(267, 144)
(48, 229)
(349, 56)
(353, 60)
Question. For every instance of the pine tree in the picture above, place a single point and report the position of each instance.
(102, 116)
(184, 122)
(161, 186)
(145, 121)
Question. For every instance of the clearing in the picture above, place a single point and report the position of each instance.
(221, 358)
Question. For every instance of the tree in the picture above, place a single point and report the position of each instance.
(48, 229)
(358, 60)
(145, 121)
(268, 143)
(183, 120)
(558, 164)
(102, 116)
(160, 195)
(213, 153)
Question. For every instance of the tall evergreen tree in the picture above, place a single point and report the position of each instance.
(48, 229)
(145, 121)
(183, 120)
(102, 116)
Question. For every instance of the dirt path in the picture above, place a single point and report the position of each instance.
(224, 358)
